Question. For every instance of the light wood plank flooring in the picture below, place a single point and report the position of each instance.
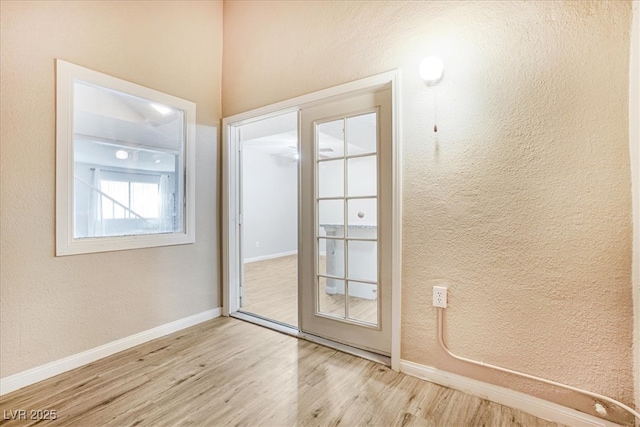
(271, 291)
(228, 372)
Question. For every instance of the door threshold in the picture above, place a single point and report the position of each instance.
(354, 351)
(264, 322)
(294, 332)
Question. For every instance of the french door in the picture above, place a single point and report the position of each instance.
(345, 222)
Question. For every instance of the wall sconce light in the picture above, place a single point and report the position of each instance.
(431, 70)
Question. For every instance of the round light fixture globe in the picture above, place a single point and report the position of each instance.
(122, 154)
(431, 70)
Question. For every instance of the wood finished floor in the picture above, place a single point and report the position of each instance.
(228, 372)
(271, 291)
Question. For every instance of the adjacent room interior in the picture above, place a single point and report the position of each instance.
(269, 209)
(269, 189)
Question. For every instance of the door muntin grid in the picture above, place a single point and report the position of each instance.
(346, 218)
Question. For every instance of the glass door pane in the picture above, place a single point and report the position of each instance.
(347, 188)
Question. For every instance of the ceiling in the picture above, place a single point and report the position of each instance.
(107, 121)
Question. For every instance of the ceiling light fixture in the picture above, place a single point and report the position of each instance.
(122, 154)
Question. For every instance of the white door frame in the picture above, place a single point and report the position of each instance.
(230, 199)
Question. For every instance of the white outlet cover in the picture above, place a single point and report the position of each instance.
(440, 296)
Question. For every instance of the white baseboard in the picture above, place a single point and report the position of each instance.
(532, 405)
(39, 373)
(269, 256)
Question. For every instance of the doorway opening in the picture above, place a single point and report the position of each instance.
(322, 266)
(268, 178)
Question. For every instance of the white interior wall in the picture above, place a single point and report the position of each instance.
(270, 204)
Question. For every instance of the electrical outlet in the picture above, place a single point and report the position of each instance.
(257, 244)
(440, 296)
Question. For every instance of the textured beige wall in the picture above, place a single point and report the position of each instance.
(521, 202)
(634, 150)
(55, 307)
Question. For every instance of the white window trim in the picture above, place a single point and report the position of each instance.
(66, 244)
